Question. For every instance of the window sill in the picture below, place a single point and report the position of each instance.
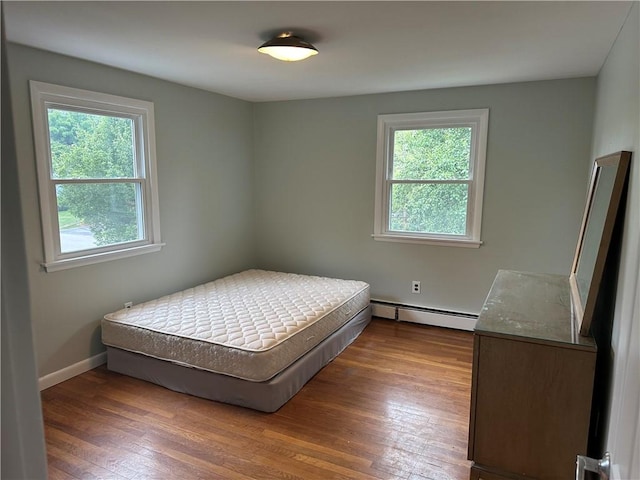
(443, 242)
(101, 257)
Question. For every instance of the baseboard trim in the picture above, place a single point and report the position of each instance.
(424, 315)
(71, 371)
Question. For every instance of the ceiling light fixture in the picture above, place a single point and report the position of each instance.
(288, 47)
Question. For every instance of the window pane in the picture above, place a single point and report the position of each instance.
(432, 154)
(98, 214)
(429, 208)
(84, 145)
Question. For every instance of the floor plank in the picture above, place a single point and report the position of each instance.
(393, 405)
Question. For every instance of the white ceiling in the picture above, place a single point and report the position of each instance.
(365, 47)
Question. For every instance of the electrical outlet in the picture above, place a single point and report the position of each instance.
(128, 304)
(415, 286)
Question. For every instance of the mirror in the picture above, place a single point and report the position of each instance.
(607, 182)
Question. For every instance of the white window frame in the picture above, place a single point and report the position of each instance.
(478, 120)
(44, 96)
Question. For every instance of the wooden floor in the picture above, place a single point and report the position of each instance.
(394, 405)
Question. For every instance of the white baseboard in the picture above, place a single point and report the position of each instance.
(71, 371)
(425, 316)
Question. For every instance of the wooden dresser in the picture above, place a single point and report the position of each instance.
(532, 381)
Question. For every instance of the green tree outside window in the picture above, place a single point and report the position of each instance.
(95, 147)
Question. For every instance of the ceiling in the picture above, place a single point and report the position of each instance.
(365, 47)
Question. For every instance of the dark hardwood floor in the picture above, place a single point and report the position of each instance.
(394, 405)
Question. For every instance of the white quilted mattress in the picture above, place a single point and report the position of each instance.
(250, 325)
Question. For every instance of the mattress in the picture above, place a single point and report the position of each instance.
(251, 325)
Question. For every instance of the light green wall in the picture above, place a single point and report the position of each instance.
(314, 189)
(204, 154)
(290, 186)
(617, 127)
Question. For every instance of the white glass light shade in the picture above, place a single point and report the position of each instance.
(288, 54)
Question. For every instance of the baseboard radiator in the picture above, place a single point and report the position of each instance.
(423, 315)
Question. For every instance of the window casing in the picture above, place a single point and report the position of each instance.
(97, 182)
(430, 177)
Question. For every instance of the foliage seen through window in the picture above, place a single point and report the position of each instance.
(427, 162)
(88, 146)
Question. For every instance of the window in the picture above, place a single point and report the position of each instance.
(97, 182)
(430, 177)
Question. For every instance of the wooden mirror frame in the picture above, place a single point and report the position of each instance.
(584, 307)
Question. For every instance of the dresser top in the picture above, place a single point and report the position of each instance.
(536, 306)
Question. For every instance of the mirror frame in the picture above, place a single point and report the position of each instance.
(584, 309)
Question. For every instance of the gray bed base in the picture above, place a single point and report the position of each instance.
(266, 396)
